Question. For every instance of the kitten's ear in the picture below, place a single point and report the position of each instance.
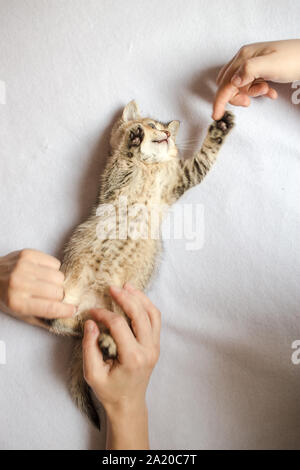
(173, 127)
(131, 112)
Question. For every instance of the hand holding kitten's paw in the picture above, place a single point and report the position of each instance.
(122, 383)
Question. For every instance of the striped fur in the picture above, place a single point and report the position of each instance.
(146, 170)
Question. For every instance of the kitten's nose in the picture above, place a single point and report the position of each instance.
(168, 133)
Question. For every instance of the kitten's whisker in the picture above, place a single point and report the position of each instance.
(186, 147)
(187, 141)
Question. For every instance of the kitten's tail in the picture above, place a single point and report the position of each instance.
(80, 391)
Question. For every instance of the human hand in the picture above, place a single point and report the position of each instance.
(121, 385)
(246, 75)
(31, 287)
(124, 381)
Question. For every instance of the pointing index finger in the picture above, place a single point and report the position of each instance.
(224, 95)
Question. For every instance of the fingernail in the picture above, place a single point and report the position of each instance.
(90, 327)
(236, 80)
(127, 284)
(116, 289)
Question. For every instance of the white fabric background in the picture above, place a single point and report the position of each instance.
(230, 310)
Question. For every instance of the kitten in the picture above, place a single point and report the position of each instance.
(144, 167)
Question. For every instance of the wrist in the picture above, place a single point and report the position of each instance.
(125, 409)
(127, 426)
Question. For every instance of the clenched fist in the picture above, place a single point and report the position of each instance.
(31, 287)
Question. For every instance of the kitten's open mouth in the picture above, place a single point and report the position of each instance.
(160, 141)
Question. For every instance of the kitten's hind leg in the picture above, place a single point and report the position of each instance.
(106, 342)
(108, 346)
(66, 326)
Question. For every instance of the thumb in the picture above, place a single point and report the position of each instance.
(257, 67)
(93, 364)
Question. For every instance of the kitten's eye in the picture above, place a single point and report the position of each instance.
(152, 125)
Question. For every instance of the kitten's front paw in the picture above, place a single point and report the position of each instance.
(135, 137)
(222, 127)
(107, 346)
(226, 123)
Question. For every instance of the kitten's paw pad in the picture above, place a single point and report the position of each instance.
(108, 346)
(221, 127)
(136, 136)
(226, 122)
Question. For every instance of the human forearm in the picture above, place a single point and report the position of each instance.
(127, 428)
(121, 385)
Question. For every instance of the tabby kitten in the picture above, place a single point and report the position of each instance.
(144, 167)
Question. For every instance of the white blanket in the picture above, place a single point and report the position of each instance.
(230, 310)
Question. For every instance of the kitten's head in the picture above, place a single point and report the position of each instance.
(147, 139)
